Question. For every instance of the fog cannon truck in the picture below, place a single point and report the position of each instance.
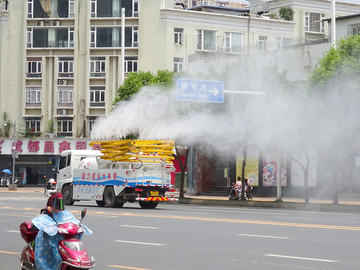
(121, 171)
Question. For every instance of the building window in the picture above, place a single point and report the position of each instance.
(134, 37)
(233, 42)
(65, 67)
(178, 64)
(97, 96)
(33, 67)
(112, 8)
(178, 35)
(136, 8)
(353, 30)
(30, 5)
(33, 96)
(111, 37)
(91, 124)
(314, 22)
(282, 42)
(131, 64)
(32, 125)
(40, 37)
(72, 9)
(65, 96)
(97, 66)
(205, 40)
(262, 43)
(64, 126)
(47, 9)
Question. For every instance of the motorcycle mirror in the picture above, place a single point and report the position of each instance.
(47, 212)
(83, 213)
(50, 213)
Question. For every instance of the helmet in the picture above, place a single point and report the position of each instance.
(55, 202)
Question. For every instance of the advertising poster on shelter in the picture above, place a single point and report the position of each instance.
(270, 170)
(251, 168)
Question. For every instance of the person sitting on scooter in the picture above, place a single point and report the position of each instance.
(47, 255)
(248, 188)
(238, 186)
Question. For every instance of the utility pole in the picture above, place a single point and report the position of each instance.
(122, 45)
(333, 24)
(12, 185)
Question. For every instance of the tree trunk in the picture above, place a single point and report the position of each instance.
(306, 183)
(243, 175)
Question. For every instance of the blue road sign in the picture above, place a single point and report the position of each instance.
(200, 90)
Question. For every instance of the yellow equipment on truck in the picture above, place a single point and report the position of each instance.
(122, 171)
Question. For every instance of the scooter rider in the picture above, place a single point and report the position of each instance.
(238, 186)
(47, 255)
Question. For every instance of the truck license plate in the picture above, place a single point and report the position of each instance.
(154, 193)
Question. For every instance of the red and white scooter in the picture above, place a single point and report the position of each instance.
(72, 250)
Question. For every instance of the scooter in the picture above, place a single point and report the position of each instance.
(232, 195)
(5, 182)
(248, 194)
(72, 251)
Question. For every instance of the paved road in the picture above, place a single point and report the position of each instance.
(177, 236)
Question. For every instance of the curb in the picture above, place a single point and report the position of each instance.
(275, 204)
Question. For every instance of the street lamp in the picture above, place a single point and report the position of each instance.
(12, 185)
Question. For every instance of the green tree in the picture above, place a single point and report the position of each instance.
(344, 60)
(7, 125)
(135, 81)
(286, 13)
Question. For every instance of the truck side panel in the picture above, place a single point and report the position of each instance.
(89, 184)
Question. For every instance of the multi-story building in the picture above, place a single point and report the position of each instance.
(309, 16)
(66, 62)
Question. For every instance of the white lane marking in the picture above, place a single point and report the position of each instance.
(140, 227)
(12, 231)
(139, 243)
(300, 258)
(264, 236)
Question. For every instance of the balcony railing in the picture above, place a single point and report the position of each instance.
(97, 104)
(33, 104)
(65, 104)
(65, 75)
(33, 75)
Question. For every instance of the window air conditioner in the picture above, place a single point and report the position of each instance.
(55, 23)
(61, 111)
(62, 82)
(40, 23)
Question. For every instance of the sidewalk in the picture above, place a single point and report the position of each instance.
(345, 204)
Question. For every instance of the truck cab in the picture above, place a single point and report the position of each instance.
(69, 160)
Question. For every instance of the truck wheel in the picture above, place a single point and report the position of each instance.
(109, 197)
(119, 204)
(67, 195)
(100, 203)
(148, 205)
